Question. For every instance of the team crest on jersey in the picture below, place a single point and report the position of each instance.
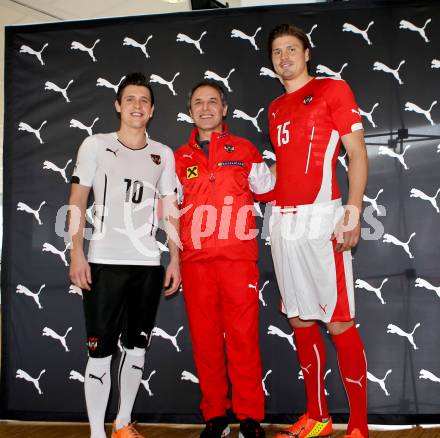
(155, 158)
(92, 343)
(307, 100)
(229, 148)
(192, 172)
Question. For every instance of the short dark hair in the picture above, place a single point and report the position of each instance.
(207, 83)
(136, 78)
(290, 30)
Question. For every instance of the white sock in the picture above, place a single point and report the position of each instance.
(130, 374)
(97, 381)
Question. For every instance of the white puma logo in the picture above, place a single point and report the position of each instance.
(379, 66)
(260, 291)
(51, 86)
(31, 51)
(258, 209)
(327, 71)
(435, 63)
(373, 201)
(404, 24)
(47, 247)
(264, 71)
(131, 42)
(21, 206)
(189, 156)
(35, 381)
(101, 82)
(393, 329)
(214, 76)
(34, 295)
(409, 106)
(272, 330)
(267, 241)
(269, 155)
(263, 382)
(309, 35)
(384, 150)
(347, 27)
(22, 126)
(341, 159)
(369, 114)
(238, 114)
(356, 382)
(182, 117)
(416, 193)
(162, 247)
(62, 171)
(75, 290)
(49, 332)
(75, 375)
(361, 284)
(380, 382)
(146, 383)
(186, 375)
(181, 37)
(420, 282)
(155, 78)
(425, 374)
(388, 238)
(79, 46)
(157, 331)
(304, 370)
(77, 124)
(235, 33)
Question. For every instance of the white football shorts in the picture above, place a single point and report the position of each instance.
(314, 280)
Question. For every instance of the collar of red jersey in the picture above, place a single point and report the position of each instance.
(215, 135)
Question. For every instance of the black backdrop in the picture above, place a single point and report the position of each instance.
(397, 287)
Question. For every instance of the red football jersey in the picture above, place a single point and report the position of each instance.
(305, 128)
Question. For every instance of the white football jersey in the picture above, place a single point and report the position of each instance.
(127, 185)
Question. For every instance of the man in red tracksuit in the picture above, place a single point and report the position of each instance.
(217, 174)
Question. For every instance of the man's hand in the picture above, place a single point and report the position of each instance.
(348, 230)
(172, 277)
(80, 273)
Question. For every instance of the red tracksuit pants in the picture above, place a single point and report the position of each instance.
(222, 305)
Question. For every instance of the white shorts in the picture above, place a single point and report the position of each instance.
(315, 282)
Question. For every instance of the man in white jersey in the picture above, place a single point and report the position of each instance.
(132, 177)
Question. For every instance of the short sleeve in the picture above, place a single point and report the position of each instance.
(86, 163)
(343, 108)
(167, 180)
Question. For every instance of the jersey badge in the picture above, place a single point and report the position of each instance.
(92, 343)
(155, 158)
(308, 99)
(195, 145)
(192, 172)
(229, 148)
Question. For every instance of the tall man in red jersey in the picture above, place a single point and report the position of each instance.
(217, 174)
(311, 235)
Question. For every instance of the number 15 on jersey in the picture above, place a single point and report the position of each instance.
(283, 133)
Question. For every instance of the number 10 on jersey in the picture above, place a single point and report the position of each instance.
(134, 191)
(283, 133)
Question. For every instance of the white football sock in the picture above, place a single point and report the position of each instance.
(97, 382)
(130, 374)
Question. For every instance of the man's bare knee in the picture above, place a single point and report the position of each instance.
(297, 322)
(336, 328)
